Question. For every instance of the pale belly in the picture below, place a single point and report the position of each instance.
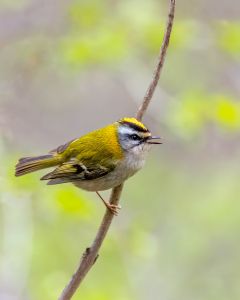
(123, 171)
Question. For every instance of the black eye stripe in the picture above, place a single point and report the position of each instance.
(134, 137)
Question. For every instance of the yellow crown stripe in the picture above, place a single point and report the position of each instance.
(134, 122)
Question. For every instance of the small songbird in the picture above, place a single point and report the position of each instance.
(97, 161)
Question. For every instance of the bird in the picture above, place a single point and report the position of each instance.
(97, 161)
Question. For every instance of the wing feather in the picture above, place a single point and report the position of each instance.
(74, 170)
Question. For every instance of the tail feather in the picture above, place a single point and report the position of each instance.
(27, 165)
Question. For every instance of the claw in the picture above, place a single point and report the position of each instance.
(114, 209)
(111, 207)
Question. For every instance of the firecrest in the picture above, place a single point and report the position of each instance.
(97, 161)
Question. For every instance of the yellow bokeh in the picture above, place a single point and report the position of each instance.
(227, 112)
(71, 201)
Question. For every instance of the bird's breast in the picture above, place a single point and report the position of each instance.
(126, 168)
(131, 162)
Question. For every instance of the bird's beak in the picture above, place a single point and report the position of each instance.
(151, 140)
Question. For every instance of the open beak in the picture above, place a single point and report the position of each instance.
(152, 140)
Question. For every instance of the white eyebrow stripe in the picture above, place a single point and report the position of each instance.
(127, 130)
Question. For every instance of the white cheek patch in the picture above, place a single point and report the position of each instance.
(124, 136)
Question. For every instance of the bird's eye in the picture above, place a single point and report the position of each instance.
(135, 137)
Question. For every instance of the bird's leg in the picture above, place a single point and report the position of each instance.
(113, 208)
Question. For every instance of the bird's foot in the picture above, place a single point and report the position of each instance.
(114, 209)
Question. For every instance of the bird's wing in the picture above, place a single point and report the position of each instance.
(73, 170)
(89, 157)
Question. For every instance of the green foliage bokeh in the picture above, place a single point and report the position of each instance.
(177, 236)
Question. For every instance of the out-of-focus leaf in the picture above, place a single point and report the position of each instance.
(152, 36)
(196, 109)
(137, 13)
(71, 201)
(228, 34)
(189, 114)
(104, 46)
(227, 112)
(86, 14)
(184, 33)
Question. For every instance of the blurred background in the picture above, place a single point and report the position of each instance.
(68, 67)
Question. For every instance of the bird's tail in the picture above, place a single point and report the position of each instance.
(27, 165)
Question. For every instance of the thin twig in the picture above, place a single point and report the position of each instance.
(91, 254)
(161, 58)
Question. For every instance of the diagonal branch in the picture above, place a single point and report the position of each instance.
(91, 254)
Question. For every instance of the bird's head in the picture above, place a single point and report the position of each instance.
(134, 135)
